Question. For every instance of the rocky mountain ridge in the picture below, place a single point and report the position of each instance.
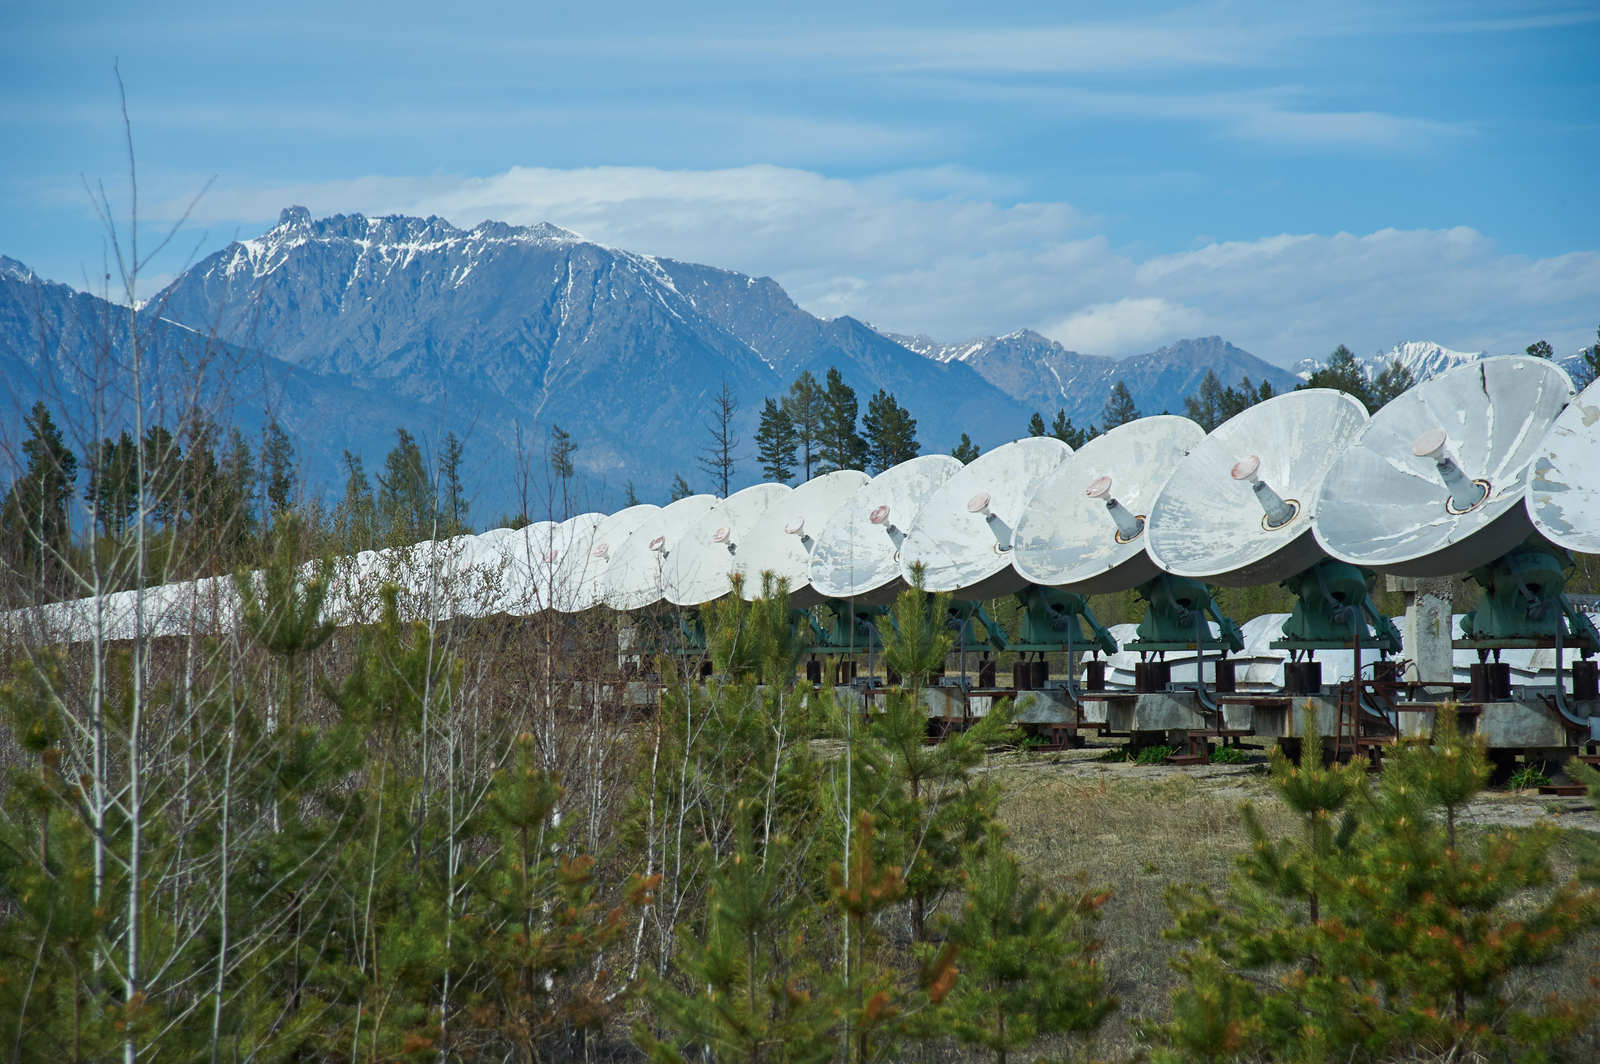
(356, 325)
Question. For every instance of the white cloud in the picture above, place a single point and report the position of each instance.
(1141, 322)
(941, 251)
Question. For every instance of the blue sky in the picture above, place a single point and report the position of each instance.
(1289, 176)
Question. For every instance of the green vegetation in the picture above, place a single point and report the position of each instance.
(1379, 930)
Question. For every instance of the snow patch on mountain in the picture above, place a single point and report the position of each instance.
(1423, 358)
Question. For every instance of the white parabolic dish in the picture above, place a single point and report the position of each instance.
(1387, 507)
(781, 539)
(1564, 484)
(575, 535)
(858, 553)
(962, 535)
(584, 572)
(634, 576)
(1066, 537)
(1211, 520)
(715, 548)
(527, 571)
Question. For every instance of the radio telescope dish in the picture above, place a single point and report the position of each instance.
(1237, 510)
(522, 591)
(780, 541)
(964, 533)
(858, 553)
(564, 577)
(1564, 484)
(715, 547)
(583, 572)
(1083, 529)
(1435, 484)
(635, 576)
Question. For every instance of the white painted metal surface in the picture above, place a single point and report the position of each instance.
(1390, 508)
(563, 584)
(1563, 496)
(858, 553)
(584, 572)
(963, 535)
(1068, 538)
(715, 548)
(634, 576)
(1238, 509)
(780, 540)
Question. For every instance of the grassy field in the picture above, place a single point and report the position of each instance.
(1138, 829)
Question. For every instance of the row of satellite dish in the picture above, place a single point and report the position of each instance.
(1447, 477)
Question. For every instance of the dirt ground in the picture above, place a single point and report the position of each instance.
(1138, 829)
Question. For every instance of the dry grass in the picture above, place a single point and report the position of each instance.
(1137, 830)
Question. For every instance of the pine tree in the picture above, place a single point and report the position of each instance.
(200, 478)
(559, 454)
(1271, 916)
(235, 502)
(1449, 920)
(1205, 407)
(281, 609)
(540, 930)
(356, 515)
(1588, 369)
(720, 456)
(1343, 373)
(1036, 425)
(1388, 933)
(965, 450)
(407, 507)
(1119, 408)
(277, 469)
(776, 442)
(878, 1009)
(746, 996)
(112, 491)
(452, 495)
(680, 488)
(839, 445)
(164, 464)
(1236, 400)
(1390, 382)
(890, 432)
(1027, 957)
(803, 405)
(35, 515)
(630, 496)
(1062, 428)
(929, 807)
(1540, 349)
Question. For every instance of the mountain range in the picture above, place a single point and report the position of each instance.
(346, 327)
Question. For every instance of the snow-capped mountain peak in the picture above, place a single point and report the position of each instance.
(1423, 358)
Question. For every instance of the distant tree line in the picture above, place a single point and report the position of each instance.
(200, 483)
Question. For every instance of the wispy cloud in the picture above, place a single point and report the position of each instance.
(936, 251)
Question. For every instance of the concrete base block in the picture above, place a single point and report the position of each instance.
(1525, 725)
(1161, 711)
(946, 703)
(1042, 707)
(850, 699)
(1276, 722)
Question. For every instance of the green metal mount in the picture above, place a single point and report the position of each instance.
(848, 628)
(1333, 605)
(959, 612)
(1178, 607)
(1055, 620)
(1523, 601)
(691, 631)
